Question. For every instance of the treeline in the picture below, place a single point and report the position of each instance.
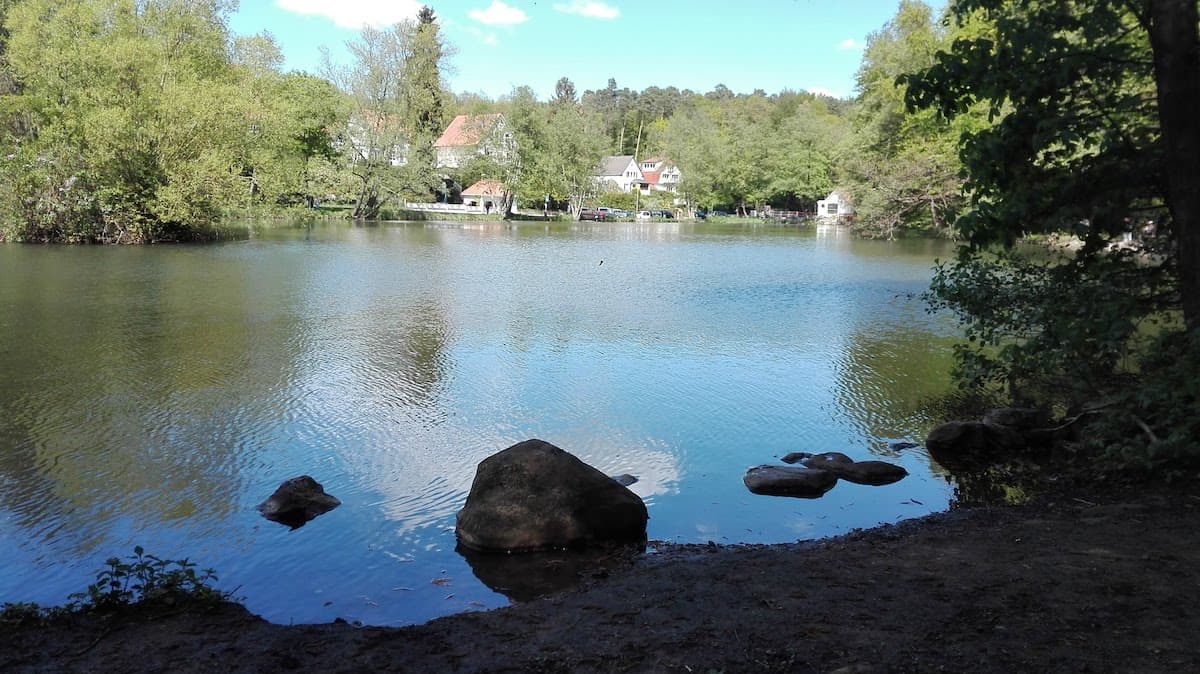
(143, 121)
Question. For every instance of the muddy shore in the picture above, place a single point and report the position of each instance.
(1087, 581)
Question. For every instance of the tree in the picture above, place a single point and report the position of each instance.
(1094, 130)
(564, 92)
(423, 100)
(377, 137)
(902, 166)
(1176, 47)
(1096, 120)
(130, 120)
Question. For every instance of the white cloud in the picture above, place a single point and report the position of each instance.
(498, 14)
(849, 43)
(355, 14)
(589, 8)
(485, 37)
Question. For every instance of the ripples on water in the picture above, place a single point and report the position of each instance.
(152, 396)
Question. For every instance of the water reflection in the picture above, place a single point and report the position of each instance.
(153, 396)
(530, 575)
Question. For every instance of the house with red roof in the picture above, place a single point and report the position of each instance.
(487, 195)
(661, 175)
(471, 136)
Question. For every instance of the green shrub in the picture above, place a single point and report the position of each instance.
(145, 577)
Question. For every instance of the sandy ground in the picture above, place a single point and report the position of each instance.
(1081, 582)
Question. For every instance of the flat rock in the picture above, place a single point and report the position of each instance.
(535, 496)
(789, 481)
(873, 473)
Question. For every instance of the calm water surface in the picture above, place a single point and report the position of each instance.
(154, 395)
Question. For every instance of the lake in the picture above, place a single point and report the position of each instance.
(154, 395)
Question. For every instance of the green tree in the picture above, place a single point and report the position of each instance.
(377, 138)
(902, 166)
(423, 101)
(132, 125)
(1094, 130)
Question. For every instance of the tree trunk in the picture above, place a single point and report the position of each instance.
(1175, 41)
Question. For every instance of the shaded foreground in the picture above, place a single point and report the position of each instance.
(1072, 583)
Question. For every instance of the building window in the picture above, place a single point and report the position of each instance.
(831, 209)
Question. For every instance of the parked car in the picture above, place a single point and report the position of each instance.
(665, 215)
(643, 216)
(593, 214)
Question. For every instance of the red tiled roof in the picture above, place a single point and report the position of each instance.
(651, 176)
(485, 188)
(467, 130)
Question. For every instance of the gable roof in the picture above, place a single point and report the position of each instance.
(615, 165)
(468, 130)
(487, 187)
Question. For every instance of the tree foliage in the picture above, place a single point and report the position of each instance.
(902, 167)
(1085, 138)
(137, 121)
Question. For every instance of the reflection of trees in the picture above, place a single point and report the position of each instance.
(131, 380)
(411, 352)
(889, 379)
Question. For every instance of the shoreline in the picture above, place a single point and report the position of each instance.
(1100, 578)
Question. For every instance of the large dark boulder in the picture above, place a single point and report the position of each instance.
(297, 501)
(535, 496)
(959, 445)
(789, 481)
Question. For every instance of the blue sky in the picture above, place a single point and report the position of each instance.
(772, 45)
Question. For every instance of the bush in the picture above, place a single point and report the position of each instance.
(145, 577)
(1094, 330)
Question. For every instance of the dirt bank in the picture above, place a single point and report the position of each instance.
(1083, 582)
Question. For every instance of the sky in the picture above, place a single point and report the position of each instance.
(811, 45)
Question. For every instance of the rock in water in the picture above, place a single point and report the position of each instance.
(966, 445)
(789, 481)
(827, 460)
(297, 501)
(535, 496)
(874, 473)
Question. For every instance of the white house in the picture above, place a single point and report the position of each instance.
(620, 173)
(375, 135)
(834, 207)
(661, 175)
(470, 136)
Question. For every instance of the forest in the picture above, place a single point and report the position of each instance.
(161, 124)
(136, 121)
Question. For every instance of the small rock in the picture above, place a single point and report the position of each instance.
(624, 479)
(297, 501)
(789, 481)
(873, 473)
(901, 445)
(828, 460)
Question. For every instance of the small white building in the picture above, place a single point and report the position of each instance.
(834, 207)
(620, 173)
